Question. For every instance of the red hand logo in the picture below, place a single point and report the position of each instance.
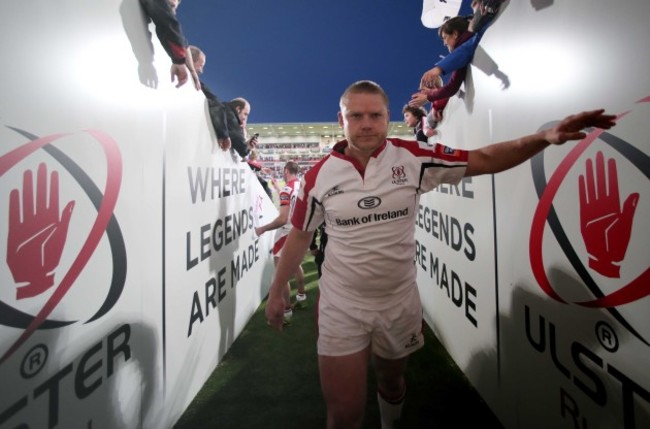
(35, 244)
(605, 228)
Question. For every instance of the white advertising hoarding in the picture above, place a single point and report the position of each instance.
(109, 177)
(565, 343)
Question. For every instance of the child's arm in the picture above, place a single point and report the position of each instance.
(429, 127)
(450, 89)
(463, 54)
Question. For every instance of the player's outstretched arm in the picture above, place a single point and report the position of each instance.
(503, 156)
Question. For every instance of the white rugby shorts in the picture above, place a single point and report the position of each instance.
(392, 333)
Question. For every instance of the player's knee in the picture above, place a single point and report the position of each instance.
(391, 388)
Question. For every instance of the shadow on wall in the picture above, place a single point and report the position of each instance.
(127, 368)
(484, 62)
(177, 394)
(541, 4)
(145, 353)
(228, 309)
(102, 374)
(16, 372)
(554, 367)
(136, 28)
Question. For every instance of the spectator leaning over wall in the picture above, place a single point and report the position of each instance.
(228, 118)
(170, 34)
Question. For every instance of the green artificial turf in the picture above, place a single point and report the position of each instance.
(269, 379)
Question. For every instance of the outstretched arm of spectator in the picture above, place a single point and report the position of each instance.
(168, 29)
(217, 113)
(189, 62)
(457, 59)
(171, 37)
(430, 122)
(461, 56)
(218, 118)
(431, 76)
(446, 91)
(450, 88)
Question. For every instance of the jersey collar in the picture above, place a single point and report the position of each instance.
(339, 149)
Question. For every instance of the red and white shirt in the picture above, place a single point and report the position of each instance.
(370, 215)
(288, 195)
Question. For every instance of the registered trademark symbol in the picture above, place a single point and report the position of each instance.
(607, 336)
(33, 361)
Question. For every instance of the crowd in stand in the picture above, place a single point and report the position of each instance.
(461, 35)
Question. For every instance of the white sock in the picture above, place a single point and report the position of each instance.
(288, 314)
(390, 411)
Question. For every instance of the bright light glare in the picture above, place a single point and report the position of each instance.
(111, 73)
(541, 65)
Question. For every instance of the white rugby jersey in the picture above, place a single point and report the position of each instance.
(370, 215)
(288, 196)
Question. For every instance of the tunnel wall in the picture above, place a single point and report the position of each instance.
(540, 295)
(131, 263)
(134, 268)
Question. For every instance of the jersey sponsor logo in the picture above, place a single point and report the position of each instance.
(391, 214)
(348, 222)
(369, 203)
(372, 217)
(334, 191)
(399, 176)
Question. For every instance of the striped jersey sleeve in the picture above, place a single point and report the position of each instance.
(439, 164)
(447, 165)
(308, 212)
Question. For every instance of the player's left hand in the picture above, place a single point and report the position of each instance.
(274, 311)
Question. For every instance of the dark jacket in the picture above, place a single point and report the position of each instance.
(168, 28)
(226, 121)
(257, 168)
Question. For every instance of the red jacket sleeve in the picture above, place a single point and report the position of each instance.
(449, 89)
